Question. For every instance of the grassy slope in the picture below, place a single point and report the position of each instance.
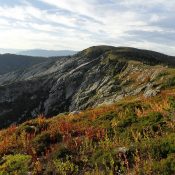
(135, 136)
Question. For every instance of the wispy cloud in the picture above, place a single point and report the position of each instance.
(77, 24)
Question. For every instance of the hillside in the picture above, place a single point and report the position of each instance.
(105, 110)
(133, 136)
(94, 76)
(12, 62)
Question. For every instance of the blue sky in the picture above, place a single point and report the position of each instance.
(77, 24)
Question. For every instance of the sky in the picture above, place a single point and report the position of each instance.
(78, 24)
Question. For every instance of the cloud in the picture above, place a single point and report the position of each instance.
(77, 24)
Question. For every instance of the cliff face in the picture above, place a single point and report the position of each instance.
(92, 77)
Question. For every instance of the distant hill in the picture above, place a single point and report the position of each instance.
(47, 53)
(12, 62)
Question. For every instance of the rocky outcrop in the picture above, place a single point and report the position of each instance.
(94, 76)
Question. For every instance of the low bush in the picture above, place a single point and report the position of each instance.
(15, 164)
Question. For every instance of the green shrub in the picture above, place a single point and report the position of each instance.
(158, 148)
(27, 129)
(57, 137)
(41, 142)
(161, 148)
(127, 121)
(15, 164)
(153, 121)
(108, 116)
(169, 83)
(152, 118)
(165, 166)
(172, 102)
(108, 161)
(65, 168)
(61, 153)
(105, 119)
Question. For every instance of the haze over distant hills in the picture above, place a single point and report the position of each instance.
(47, 53)
(11, 51)
(38, 52)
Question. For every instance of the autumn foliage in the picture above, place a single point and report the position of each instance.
(135, 136)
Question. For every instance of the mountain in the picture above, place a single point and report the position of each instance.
(105, 110)
(47, 53)
(94, 76)
(12, 62)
